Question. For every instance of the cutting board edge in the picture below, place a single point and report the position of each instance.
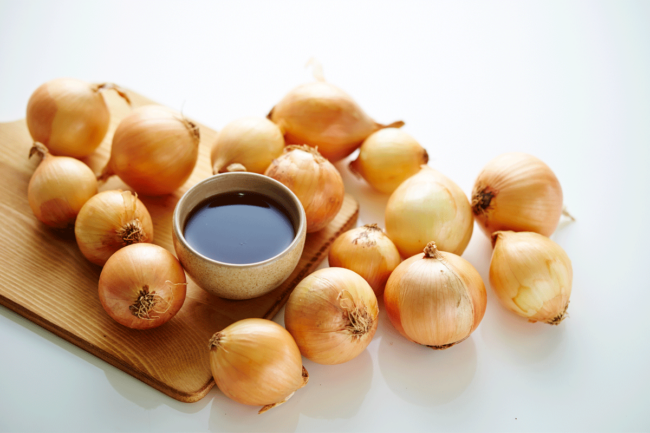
(186, 397)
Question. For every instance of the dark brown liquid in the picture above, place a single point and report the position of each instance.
(239, 228)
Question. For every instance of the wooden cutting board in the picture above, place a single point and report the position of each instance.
(46, 279)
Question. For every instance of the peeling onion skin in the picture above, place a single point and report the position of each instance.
(59, 188)
(519, 192)
(332, 314)
(321, 115)
(138, 267)
(531, 275)
(256, 362)
(429, 206)
(435, 299)
(70, 117)
(154, 150)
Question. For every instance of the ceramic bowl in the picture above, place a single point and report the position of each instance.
(239, 281)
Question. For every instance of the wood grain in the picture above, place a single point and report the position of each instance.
(46, 279)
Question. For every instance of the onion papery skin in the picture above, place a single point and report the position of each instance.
(253, 142)
(109, 221)
(321, 115)
(387, 158)
(518, 192)
(59, 188)
(435, 301)
(142, 268)
(256, 362)
(368, 252)
(429, 206)
(332, 314)
(70, 117)
(154, 150)
(315, 181)
(531, 275)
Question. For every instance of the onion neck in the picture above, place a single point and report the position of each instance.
(311, 150)
(215, 340)
(144, 303)
(193, 129)
(481, 199)
(132, 232)
(40, 149)
(431, 251)
(111, 86)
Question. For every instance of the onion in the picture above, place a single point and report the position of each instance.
(59, 188)
(257, 362)
(435, 299)
(70, 117)
(429, 206)
(387, 158)
(322, 115)
(109, 221)
(142, 286)
(531, 275)
(314, 180)
(154, 150)
(516, 191)
(368, 252)
(332, 314)
(250, 144)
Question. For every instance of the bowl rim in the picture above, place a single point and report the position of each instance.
(302, 220)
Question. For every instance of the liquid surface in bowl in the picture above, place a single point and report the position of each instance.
(239, 228)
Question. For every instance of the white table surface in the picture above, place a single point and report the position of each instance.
(566, 81)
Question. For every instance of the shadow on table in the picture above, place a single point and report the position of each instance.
(421, 375)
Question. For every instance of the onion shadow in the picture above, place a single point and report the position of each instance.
(337, 391)
(421, 375)
(517, 341)
(228, 415)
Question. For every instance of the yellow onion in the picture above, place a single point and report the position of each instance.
(257, 362)
(332, 314)
(250, 143)
(70, 117)
(142, 286)
(387, 158)
(368, 252)
(531, 275)
(314, 180)
(429, 206)
(516, 191)
(59, 188)
(322, 115)
(436, 299)
(109, 221)
(154, 150)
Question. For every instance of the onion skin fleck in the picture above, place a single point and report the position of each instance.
(136, 268)
(516, 191)
(531, 275)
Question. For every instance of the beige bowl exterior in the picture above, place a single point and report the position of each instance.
(234, 281)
